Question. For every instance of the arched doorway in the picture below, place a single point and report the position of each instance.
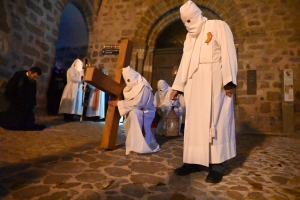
(168, 52)
(72, 39)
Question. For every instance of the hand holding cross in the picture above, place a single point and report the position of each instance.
(114, 87)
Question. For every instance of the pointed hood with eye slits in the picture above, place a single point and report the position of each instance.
(191, 16)
(194, 22)
(163, 88)
(134, 83)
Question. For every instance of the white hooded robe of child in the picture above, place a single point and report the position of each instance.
(138, 111)
(163, 103)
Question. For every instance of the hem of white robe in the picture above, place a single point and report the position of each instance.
(157, 149)
(228, 151)
(68, 112)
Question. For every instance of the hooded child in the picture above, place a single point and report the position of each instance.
(163, 105)
(138, 111)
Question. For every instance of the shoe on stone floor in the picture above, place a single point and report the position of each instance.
(187, 169)
(214, 177)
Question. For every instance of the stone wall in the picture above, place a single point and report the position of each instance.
(266, 34)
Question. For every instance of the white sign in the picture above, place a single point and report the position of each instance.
(288, 85)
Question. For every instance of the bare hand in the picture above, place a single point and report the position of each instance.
(113, 103)
(229, 92)
(174, 95)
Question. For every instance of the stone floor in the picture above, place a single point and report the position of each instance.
(65, 162)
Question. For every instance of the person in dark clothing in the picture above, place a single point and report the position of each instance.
(56, 87)
(20, 91)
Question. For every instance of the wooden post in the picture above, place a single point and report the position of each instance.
(114, 87)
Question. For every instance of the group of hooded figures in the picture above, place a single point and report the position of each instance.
(138, 107)
(206, 77)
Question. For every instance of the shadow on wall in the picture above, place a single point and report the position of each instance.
(243, 127)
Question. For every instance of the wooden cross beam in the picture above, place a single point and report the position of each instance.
(114, 87)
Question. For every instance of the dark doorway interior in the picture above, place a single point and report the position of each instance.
(168, 52)
(72, 40)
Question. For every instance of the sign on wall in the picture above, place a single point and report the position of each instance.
(110, 49)
(288, 90)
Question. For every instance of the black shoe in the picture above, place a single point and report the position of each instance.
(187, 169)
(97, 119)
(72, 120)
(214, 177)
(66, 118)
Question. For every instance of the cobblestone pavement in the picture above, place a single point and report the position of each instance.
(65, 162)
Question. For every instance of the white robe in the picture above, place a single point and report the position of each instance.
(207, 106)
(164, 104)
(90, 111)
(71, 100)
(134, 117)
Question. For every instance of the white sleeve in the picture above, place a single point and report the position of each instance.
(229, 57)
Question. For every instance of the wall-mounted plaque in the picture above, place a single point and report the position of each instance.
(288, 85)
(110, 51)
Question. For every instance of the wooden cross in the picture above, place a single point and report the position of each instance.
(114, 87)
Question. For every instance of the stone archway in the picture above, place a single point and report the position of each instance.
(83, 6)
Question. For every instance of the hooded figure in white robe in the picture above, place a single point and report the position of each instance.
(138, 111)
(71, 100)
(207, 76)
(96, 103)
(163, 105)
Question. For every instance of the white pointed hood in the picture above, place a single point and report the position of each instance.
(194, 22)
(78, 64)
(192, 18)
(162, 87)
(134, 82)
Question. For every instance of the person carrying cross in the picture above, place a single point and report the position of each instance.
(138, 111)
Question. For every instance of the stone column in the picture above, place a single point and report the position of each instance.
(140, 61)
(133, 64)
(147, 72)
